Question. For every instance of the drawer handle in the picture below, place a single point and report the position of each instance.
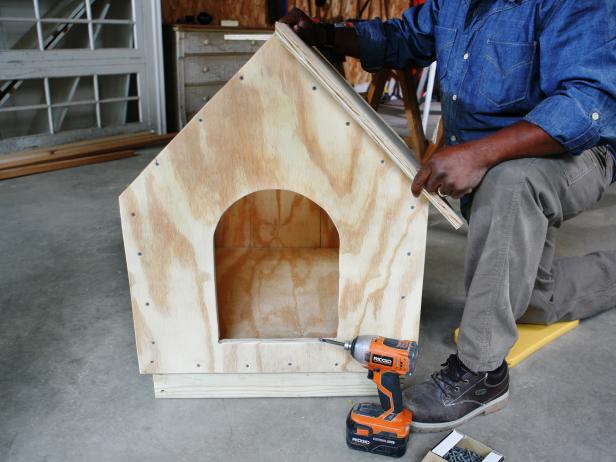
(205, 69)
(206, 42)
(252, 42)
(205, 98)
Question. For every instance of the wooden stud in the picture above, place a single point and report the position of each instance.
(281, 385)
(375, 90)
(417, 140)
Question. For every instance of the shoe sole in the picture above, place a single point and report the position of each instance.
(488, 408)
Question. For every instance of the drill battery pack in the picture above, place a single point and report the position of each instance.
(365, 431)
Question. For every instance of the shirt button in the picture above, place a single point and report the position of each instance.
(453, 138)
(454, 97)
(595, 116)
(466, 55)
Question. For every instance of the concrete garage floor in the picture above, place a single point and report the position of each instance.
(69, 383)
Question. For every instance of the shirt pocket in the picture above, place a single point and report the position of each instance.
(506, 71)
(444, 39)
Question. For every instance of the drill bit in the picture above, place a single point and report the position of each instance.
(333, 342)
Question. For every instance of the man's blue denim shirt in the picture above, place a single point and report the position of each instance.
(550, 62)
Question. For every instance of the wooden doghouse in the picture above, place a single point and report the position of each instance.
(282, 212)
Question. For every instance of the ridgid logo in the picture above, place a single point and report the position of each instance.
(384, 360)
(360, 441)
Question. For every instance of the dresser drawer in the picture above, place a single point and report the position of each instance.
(215, 68)
(214, 42)
(197, 95)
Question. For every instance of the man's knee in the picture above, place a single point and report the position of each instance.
(529, 176)
(540, 310)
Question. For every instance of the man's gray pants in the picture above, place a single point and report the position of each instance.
(510, 270)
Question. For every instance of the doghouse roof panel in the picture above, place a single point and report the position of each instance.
(361, 111)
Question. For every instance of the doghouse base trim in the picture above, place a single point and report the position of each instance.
(277, 385)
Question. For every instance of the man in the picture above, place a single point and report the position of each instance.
(528, 91)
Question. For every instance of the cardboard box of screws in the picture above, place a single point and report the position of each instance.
(458, 447)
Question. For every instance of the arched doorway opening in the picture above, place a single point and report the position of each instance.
(277, 268)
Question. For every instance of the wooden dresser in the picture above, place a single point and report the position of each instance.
(198, 62)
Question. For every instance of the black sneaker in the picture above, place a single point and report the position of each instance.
(455, 394)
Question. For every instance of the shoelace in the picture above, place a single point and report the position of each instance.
(451, 373)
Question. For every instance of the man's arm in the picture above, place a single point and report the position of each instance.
(457, 170)
(578, 113)
(395, 44)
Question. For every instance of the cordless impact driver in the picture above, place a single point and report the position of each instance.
(381, 429)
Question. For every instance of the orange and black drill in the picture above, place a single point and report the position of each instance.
(381, 429)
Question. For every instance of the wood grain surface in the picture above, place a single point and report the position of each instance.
(277, 293)
(289, 385)
(273, 126)
(275, 218)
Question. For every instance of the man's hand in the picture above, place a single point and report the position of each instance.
(457, 170)
(303, 26)
(345, 43)
(451, 171)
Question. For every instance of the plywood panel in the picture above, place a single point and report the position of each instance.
(357, 108)
(275, 219)
(285, 219)
(235, 227)
(277, 293)
(170, 213)
(329, 233)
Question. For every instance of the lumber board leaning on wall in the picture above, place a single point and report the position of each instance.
(82, 148)
(62, 164)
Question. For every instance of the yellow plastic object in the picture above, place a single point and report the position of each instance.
(533, 337)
